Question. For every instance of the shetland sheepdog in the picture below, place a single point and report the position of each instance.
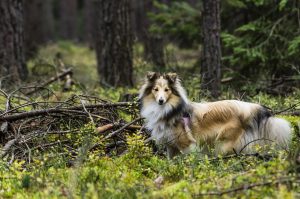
(183, 126)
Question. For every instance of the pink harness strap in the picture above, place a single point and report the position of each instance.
(186, 121)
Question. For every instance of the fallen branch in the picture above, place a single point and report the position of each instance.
(27, 127)
(121, 129)
(258, 155)
(102, 129)
(107, 127)
(7, 147)
(292, 113)
(51, 80)
(288, 109)
(246, 187)
(48, 111)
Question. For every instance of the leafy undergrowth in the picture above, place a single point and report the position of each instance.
(133, 175)
(140, 172)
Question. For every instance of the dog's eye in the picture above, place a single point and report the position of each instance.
(166, 90)
(156, 89)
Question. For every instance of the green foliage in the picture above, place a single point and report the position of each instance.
(180, 21)
(236, 3)
(79, 57)
(132, 176)
(294, 46)
(267, 43)
(260, 38)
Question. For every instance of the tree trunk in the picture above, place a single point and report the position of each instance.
(211, 58)
(153, 44)
(114, 42)
(89, 22)
(154, 51)
(12, 63)
(39, 25)
(68, 19)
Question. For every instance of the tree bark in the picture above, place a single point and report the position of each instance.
(154, 51)
(211, 58)
(39, 24)
(89, 22)
(12, 63)
(114, 42)
(68, 19)
(153, 44)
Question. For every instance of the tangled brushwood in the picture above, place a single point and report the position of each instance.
(30, 127)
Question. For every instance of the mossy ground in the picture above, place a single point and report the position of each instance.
(132, 175)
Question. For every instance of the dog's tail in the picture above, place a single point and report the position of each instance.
(278, 130)
(266, 129)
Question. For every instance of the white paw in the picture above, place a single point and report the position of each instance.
(191, 148)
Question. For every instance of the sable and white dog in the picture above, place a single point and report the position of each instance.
(183, 126)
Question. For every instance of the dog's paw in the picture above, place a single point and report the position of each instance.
(191, 148)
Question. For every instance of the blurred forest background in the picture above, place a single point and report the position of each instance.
(68, 67)
(250, 45)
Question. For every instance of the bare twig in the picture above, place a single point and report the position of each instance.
(247, 187)
(256, 140)
(122, 128)
(287, 109)
(104, 128)
(48, 111)
(7, 147)
(51, 80)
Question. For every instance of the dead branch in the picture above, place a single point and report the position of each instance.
(49, 81)
(292, 113)
(247, 187)
(68, 83)
(7, 147)
(121, 129)
(103, 129)
(48, 111)
(288, 110)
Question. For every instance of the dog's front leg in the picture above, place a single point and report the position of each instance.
(172, 151)
(191, 148)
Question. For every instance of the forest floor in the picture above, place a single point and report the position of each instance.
(136, 169)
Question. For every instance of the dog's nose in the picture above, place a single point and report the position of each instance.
(160, 101)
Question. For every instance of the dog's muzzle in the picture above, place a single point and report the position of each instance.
(160, 102)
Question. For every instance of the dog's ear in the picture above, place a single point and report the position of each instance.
(151, 76)
(172, 77)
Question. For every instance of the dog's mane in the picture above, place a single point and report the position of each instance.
(181, 110)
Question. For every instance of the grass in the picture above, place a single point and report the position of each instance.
(133, 174)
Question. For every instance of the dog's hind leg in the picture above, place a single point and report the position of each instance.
(228, 139)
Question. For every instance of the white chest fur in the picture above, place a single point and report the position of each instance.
(161, 131)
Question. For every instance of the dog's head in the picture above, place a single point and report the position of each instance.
(160, 86)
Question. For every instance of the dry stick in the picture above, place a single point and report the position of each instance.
(261, 156)
(42, 112)
(287, 109)
(52, 79)
(254, 141)
(245, 187)
(49, 144)
(28, 104)
(293, 113)
(6, 147)
(121, 129)
(85, 110)
(106, 127)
